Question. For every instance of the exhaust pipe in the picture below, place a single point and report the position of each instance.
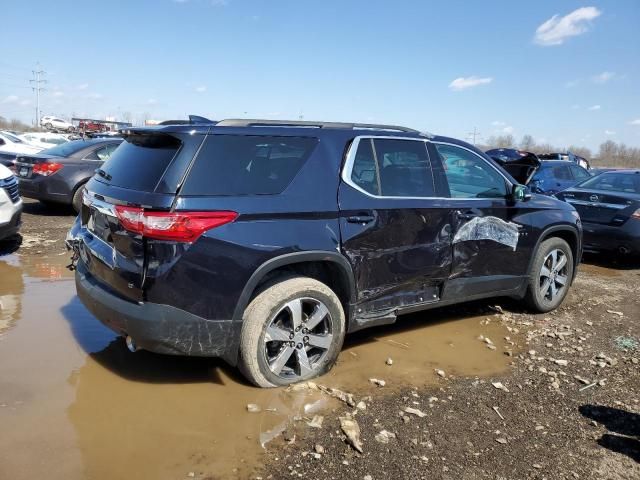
(131, 344)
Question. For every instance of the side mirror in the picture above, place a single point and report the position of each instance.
(520, 193)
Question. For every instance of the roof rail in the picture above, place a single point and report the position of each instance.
(237, 122)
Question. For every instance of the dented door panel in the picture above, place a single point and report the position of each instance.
(401, 251)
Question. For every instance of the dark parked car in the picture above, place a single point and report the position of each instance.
(547, 177)
(568, 156)
(266, 242)
(609, 206)
(59, 174)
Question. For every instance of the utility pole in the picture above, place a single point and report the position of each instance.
(475, 134)
(37, 82)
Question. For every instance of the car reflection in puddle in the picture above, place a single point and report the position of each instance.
(81, 401)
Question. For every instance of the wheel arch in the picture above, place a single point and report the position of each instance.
(569, 234)
(330, 268)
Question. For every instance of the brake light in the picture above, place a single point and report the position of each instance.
(636, 214)
(45, 169)
(175, 226)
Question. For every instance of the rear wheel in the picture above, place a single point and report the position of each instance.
(551, 275)
(292, 331)
(47, 125)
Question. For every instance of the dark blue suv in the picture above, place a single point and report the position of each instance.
(265, 242)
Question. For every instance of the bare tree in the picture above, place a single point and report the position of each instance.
(580, 151)
(527, 143)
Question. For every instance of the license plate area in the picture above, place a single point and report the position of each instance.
(23, 171)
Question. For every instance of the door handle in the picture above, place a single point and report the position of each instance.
(467, 215)
(363, 219)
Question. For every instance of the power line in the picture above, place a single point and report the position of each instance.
(474, 135)
(37, 81)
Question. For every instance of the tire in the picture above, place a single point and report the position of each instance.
(548, 281)
(47, 126)
(272, 351)
(76, 202)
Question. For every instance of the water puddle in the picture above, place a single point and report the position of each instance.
(74, 403)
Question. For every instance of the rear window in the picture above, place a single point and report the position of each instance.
(247, 165)
(66, 149)
(140, 161)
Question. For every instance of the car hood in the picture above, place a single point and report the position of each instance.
(522, 169)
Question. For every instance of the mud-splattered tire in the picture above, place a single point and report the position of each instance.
(292, 331)
(551, 275)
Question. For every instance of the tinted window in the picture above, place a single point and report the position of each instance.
(364, 173)
(561, 172)
(247, 165)
(469, 175)
(140, 161)
(618, 182)
(404, 168)
(579, 173)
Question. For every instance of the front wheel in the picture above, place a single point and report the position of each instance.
(292, 331)
(551, 275)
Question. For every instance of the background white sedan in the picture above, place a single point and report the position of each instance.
(13, 144)
(44, 139)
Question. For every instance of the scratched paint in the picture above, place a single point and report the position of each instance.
(489, 228)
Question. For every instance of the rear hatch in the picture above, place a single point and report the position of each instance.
(143, 174)
(600, 206)
(521, 165)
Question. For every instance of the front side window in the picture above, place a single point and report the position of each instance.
(561, 172)
(579, 173)
(469, 175)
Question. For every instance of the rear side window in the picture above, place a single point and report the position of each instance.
(365, 172)
(140, 161)
(247, 165)
(562, 173)
(404, 168)
(579, 173)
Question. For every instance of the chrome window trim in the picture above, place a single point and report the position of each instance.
(351, 156)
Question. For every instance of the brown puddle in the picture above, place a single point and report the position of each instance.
(74, 403)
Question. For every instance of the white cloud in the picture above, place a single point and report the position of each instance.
(609, 132)
(557, 29)
(593, 108)
(10, 99)
(58, 94)
(25, 102)
(635, 122)
(201, 89)
(152, 101)
(603, 77)
(94, 96)
(82, 86)
(508, 129)
(461, 83)
(498, 123)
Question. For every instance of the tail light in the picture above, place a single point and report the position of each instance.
(175, 226)
(45, 169)
(636, 214)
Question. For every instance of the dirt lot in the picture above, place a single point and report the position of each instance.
(485, 390)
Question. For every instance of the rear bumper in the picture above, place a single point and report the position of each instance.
(625, 238)
(45, 188)
(10, 218)
(158, 328)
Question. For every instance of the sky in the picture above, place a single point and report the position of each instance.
(566, 72)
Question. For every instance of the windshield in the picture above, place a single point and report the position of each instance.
(66, 149)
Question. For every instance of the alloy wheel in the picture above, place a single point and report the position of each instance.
(553, 275)
(298, 338)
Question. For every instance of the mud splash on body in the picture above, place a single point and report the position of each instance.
(74, 403)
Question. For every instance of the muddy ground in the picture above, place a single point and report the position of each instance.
(484, 390)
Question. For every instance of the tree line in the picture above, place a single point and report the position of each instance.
(609, 154)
